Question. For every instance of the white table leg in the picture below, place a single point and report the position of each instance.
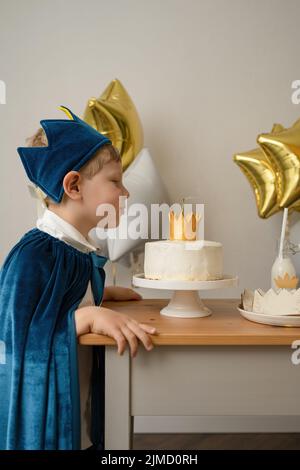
(118, 419)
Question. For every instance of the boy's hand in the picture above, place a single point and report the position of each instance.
(120, 293)
(122, 328)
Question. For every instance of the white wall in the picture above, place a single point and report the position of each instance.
(206, 77)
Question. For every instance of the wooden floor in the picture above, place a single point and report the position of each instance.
(241, 441)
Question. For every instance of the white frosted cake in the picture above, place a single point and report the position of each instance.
(194, 260)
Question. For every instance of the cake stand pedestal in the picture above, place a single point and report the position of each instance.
(185, 301)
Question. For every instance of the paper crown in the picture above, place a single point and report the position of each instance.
(283, 302)
(71, 143)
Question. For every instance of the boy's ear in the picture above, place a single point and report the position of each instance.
(71, 184)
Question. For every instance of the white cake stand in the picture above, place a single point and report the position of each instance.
(185, 301)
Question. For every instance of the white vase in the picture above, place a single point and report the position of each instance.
(281, 266)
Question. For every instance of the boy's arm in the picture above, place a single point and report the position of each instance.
(122, 328)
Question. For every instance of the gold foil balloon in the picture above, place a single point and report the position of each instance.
(283, 151)
(273, 169)
(114, 115)
(261, 176)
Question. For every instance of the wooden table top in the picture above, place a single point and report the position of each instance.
(224, 327)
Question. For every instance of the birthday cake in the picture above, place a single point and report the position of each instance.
(199, 260)
(179, 258)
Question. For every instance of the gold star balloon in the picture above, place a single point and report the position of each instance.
(283, 151)
(114, 115)
(261, 176)
(273, 170)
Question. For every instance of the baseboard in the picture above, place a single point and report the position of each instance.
(215, 424)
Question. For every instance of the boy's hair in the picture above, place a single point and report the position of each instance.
(104, 155)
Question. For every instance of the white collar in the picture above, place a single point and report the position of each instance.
(56, 226)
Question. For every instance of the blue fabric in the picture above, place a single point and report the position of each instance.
(71, 143)
(42, 282)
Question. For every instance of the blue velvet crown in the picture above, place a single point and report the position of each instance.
(71, 143)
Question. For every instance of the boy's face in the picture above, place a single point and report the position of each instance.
(105, 187)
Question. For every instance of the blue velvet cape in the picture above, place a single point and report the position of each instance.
(42, 282)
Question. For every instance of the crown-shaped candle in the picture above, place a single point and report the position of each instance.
(183, 227)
